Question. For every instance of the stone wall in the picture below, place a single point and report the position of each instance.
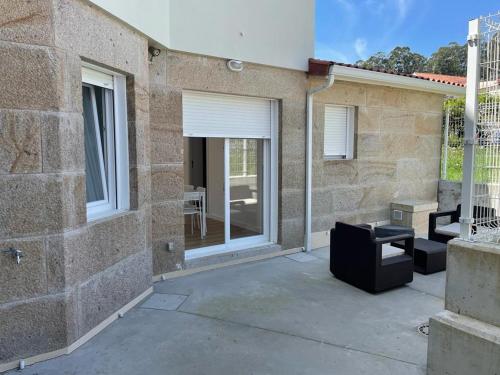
(74, 274)
(465, 338)
(449, 195)
(173, 72)
(397, 154)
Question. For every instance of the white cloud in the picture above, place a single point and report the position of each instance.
(347, 4)
(402, 7)
(360, 46)
(325, 52)
(376, 7)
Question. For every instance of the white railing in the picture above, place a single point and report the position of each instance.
(481, 168)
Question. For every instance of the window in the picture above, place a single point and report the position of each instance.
(106, 143)
(339, 132)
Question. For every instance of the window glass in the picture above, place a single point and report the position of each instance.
(94, 157)
(106, 143)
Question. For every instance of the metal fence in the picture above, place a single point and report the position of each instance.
(243, 157)
(481, 167)
(452, 151)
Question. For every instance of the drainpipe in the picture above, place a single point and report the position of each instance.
(309, 149)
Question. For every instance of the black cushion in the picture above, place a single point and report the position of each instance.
(392, 230)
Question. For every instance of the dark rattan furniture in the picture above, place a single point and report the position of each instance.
(428, 256)
(434, 235)
(356, 258)
(392, 230)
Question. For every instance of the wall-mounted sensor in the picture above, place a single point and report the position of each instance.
(153, 52)
(397, 215)
(235, 65)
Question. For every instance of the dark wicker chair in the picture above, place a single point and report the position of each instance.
(477, 212)
(356, 258)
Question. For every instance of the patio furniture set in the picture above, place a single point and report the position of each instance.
(385, 257)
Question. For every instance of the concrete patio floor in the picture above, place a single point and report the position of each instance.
(286, 315)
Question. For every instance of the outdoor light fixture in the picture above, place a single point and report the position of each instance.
(235, 65)
(153, 52)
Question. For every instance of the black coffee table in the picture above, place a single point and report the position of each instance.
(428, 256)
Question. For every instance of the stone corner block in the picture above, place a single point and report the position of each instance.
(472, 287)
(462, 346)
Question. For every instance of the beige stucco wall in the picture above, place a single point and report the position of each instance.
(74, 273)
(173, 72)
(397, 148)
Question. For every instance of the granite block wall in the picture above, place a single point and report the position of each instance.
(75, 273)
(173, 72)
(397, 153)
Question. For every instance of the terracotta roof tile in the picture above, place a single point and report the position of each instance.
(457, 80)
(320, 67)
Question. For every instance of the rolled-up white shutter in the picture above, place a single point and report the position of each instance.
(225, 116)
(337, 132)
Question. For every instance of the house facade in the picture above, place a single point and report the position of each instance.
(144, 139)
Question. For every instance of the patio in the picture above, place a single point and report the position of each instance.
(283, 315)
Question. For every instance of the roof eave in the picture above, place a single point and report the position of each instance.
(345, 73)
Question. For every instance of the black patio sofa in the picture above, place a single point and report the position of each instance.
(356, 258)
(477, 212)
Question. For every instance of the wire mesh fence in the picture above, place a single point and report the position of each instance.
(452, 151)
(486, 192)
(243, 157)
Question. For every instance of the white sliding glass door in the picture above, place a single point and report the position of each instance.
(241, 187)
(247, 198)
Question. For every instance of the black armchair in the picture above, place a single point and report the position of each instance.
(356, 258)
(434, 233)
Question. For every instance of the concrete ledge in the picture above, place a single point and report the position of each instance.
(175, 274)
(231, 255)
(473, 284)
(459, 345)
(82, 340)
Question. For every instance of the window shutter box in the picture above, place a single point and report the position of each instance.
(225, 116)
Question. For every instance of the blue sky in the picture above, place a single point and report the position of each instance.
(349, 30)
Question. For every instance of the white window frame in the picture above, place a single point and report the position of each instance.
(117, 194)
(351, 114)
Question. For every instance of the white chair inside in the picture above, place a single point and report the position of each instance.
(194, 211)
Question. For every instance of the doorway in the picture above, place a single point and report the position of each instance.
(230, 178)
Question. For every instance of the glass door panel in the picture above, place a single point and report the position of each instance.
(246, 187)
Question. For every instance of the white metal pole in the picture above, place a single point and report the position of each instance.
(444, 175)
(471, 105)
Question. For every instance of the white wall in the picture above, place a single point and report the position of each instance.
(275, 32)
(151, 17)
(271, 32)
(215, 178)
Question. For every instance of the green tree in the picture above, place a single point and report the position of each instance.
(400, 60)
(451, 60)
(377, 61)
(403, 60)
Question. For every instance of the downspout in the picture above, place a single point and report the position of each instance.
(309, 149)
